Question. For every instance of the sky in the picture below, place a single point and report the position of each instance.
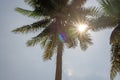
(19, 62)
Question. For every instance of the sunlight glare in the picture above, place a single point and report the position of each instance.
(82, 27)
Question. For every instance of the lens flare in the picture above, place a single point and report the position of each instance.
(62, 37)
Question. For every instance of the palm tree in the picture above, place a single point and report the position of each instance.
(110, 19)
(56, 19)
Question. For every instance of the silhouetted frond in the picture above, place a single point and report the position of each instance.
(43, 6)
(49, 49)
(84, 40)
(33, 3)
(111, 19)
(103, 22)
(72, 43)
(115, 49)
(111, 7)
(60, 3)
(93, 11)
(38, 38)
(115, 35)
(33, 27)
(110, 16)
(29, 13)
(44, 41)
(115, 59)
(77, 3)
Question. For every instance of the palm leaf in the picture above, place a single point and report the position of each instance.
(43, 6)
(44, 41)
(60, 3)
(72, 43)
(111, 7)
(109, 19)
(29, 13)
(84, 40)
(32, 3)
(93, 12)
(115, 59)
(49, 49)
(103, 22)
(106, 4)
(115, 49)
(38, 38)
(77, 3)
(33, 27)
(115, 35)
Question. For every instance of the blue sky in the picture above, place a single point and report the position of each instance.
(19, 62)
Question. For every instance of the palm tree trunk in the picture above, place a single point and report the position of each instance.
(59, 62)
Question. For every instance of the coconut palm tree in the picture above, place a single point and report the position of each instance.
(56, 23)
(110, 19)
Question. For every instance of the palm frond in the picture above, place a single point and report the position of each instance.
(106, 4)
(32, 3)
(115, 49)
(84, 40)
(47, 6)
(103, 22)
(93, 12)
(60, 3)
(38, 38)
(44, 41)
(29, 13)
(111, 7)
(43, 6)
(115, 35)
(33, 27)
(77, 3)
(115, 59)
(72, 43)
(49, 49)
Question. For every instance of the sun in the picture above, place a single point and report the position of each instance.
(82, 27)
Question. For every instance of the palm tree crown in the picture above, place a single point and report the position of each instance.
(56, 19)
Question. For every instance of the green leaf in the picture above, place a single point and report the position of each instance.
(49, 49)
(29, 13)
(85, 41)
(38, 38)
(115, 35)
(33, 27)
(103, 22)
(115, 59)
